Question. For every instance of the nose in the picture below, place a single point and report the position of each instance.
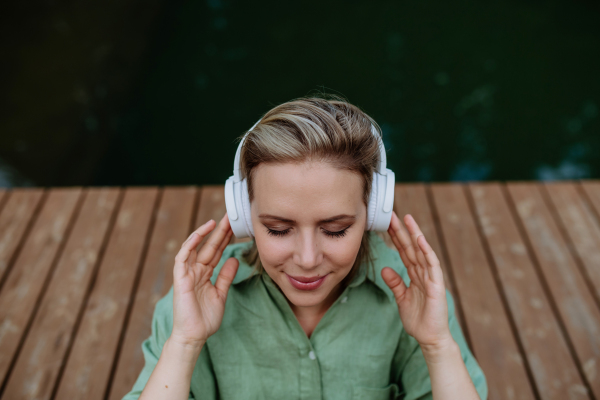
(307, 254)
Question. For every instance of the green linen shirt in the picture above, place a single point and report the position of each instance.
(359, 349)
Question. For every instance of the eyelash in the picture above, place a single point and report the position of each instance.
(338, 234)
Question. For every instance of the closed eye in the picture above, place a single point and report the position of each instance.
(277, 233)
(337, 234)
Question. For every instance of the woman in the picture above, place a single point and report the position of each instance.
(315, 306)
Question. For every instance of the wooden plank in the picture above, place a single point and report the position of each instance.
(579, 222)
(592, 191)
(98, 335)
(493, 341)
(412, 199)
(555, 372)
(212, 206)
(4, 194)
(574, 301)
(38, 365)
(171, 228)
(27, 277)
(17, 214)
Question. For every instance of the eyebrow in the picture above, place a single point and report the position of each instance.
(291, 221)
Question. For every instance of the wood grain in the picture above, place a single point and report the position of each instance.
(171, 228)
(39, 362)
(26, 280)
(493, 341)
(3, 195)
(555, 372)
(579, 222)
(16, 215)
(574, 302)
(100, 329)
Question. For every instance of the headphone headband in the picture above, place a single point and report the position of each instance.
(236, 163)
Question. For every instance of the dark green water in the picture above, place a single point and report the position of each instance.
(130, 92)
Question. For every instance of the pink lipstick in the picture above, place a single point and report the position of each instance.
(306, 283)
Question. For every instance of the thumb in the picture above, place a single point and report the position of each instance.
(226, 275)
(394, 282)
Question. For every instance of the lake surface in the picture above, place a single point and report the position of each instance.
(156, 92)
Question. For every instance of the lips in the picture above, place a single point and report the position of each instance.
(306, 280)
(306, 283)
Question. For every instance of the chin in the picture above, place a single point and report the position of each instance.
(305, 299)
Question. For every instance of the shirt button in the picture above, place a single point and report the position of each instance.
(311, 355)
(345, 299)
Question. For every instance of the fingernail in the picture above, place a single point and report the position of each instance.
(207, 222)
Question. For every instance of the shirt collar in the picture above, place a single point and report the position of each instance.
(383, 256)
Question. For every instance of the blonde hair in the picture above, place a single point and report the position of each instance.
(325, 129)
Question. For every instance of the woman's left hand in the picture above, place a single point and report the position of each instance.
(422, 306)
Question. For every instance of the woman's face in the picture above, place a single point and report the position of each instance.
(308, 220)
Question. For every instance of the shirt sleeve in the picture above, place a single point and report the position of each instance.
(162, 325)
(415, 380)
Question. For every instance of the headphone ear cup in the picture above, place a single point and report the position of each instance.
(246, 216)
(234, 203)
(373, 197)
(381, 202)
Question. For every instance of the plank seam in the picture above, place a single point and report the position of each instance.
(546, 288)
(446, 256)
(91, 284)
(4, 199)
(48, 278)
(13, 258)
(195, 211)
(136, 282)
(567, 239)
(590, 205)
(500, 287)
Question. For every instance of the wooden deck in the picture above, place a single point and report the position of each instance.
(82, 268)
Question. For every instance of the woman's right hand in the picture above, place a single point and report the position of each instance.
(198, 305)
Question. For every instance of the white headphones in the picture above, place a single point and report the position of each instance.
(379, 211)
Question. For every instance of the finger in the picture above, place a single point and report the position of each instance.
(413, 268)
(422, 270)
(202, 231)
(213, 263)
(192, 241)
(435, 270)
(415, 279)
(403, 238)
(415, 232)
(410, 268)
(394, 282)
(212, 245)
(226, 276)
(403, 256)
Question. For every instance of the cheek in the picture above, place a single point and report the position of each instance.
(273, 251)
(343, 252)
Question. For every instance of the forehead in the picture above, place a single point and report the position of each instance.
(308, 190)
